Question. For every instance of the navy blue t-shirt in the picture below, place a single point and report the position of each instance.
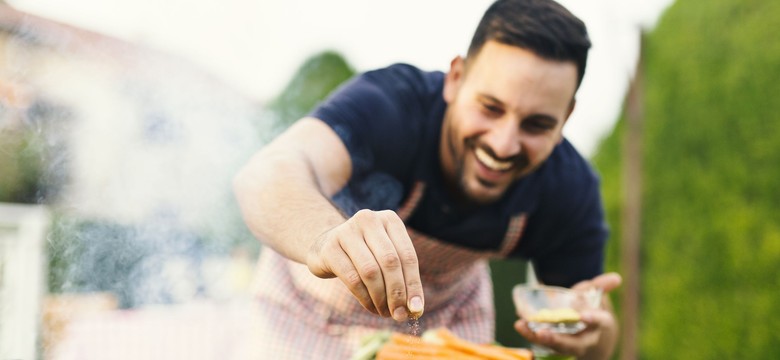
(390, 121)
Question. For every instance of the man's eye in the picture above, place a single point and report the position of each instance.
(536, 127)
(492, 109)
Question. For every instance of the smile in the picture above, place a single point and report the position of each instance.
(490, 162)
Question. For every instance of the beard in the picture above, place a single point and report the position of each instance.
(458, 185)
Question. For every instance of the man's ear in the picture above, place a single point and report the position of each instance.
(571, 109)
(568, 113)
(453, 79)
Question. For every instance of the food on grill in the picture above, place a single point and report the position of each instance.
(439, 344)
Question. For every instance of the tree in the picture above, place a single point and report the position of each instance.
(313, 81)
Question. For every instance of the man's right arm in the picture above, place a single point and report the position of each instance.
(284, 192)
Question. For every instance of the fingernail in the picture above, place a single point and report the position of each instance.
(416, 304)
(399, 314)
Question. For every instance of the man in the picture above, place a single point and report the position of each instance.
(391, 196)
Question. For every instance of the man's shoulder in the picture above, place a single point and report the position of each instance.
(410, 77)
(567, 172)
(404, 70)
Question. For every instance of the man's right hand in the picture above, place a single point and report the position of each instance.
(374, 257)
(284, 193)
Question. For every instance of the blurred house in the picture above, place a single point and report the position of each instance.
(141, 132)
(124, 134)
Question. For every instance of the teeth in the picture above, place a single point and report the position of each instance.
(490, 162)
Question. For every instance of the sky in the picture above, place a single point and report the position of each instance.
(256, 46)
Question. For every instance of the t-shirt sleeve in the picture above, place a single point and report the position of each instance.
(371, 113)
(570, 233)
(581, 253)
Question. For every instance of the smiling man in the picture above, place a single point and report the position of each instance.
(507, 107)
(388, 200)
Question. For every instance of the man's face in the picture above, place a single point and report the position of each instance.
(505, 114)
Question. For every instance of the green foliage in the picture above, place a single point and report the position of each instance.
(609, 162)
(315, 79)
(33, 165)
(506, 274)
(711, 145)
(21, 164)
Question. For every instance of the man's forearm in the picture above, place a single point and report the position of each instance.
(282, 205)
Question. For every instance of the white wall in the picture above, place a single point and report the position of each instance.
(23, 229)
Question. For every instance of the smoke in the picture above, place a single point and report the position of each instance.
(134, 150)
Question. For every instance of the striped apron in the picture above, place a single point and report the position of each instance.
(297, 315)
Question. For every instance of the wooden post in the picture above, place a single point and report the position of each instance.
(632, 212)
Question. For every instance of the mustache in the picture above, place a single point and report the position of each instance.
(519, 160)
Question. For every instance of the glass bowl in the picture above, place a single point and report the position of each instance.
(556, 309)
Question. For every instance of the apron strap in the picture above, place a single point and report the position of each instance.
(513, 234)
(411, 201)
(514, 229)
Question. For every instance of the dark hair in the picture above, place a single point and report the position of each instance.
(542, 26)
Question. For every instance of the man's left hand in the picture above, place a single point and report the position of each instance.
(597, 340)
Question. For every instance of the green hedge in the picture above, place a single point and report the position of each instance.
(711, 146)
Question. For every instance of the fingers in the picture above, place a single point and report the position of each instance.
(365, 258)
(330, 260)
(522, 327)
(575, 345)
(597, 318)
(397, 259)
(542, 337)
(387, 288)
(414, 299)
(374, 257)
(606, 282)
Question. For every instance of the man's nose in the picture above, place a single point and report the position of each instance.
(504, 139)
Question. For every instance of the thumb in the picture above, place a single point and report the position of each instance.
(606, 282)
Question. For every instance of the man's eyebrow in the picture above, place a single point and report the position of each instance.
(489, 98)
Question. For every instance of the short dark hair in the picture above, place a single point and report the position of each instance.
(542, 26)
